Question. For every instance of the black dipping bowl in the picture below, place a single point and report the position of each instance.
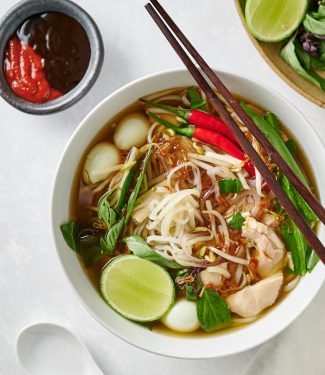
(8, 26)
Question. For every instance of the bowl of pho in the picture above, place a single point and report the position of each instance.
(166, 230)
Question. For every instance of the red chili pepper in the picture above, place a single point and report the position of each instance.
(211, 138)
(199, 118)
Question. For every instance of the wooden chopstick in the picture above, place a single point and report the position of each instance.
(244, 117)
(226, 117)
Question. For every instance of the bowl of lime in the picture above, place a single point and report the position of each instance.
(290, 36)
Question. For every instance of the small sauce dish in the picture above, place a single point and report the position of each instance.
(33, 36)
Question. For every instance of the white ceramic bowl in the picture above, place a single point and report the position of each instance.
(193, 347)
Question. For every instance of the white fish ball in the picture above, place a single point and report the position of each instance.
(132, 131)
(100, 159)
(182, 317)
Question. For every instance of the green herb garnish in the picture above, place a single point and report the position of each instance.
(212, 311)
(236, 221)
(105, 211)
(273, 121)
(291, 146)
(195, 98)
(115, 231)
(230, 186)
(70, 232)
(141, 249)
(190, 293)
(288, 53)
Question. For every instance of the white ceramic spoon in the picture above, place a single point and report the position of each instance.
(49, 349)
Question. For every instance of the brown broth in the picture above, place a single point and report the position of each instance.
(83, 216)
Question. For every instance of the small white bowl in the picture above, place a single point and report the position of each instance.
(209, 346)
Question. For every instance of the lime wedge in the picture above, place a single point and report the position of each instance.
(137, 288)
(274, 20)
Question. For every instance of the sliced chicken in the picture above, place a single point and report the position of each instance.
(269, 248)
(253, 299)
(143, 210)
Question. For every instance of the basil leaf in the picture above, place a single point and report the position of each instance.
(70, 232)
(91, 255)
(273, 121)
(141, 249)
(108, 244)
(195, 98)
(104, 249)
(236, 221)
(198, 284)
(105, 211)
(212, 311)
(230, 186)
(288, 53)
(190, 293)
(291, 146)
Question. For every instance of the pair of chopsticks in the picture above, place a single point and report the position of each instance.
(171, 31)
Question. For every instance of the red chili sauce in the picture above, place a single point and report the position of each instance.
(47, 57)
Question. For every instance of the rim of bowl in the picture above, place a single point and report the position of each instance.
(259, 325)
(27, 8)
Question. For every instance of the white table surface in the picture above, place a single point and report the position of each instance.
(32, 285)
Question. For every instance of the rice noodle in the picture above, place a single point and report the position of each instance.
(170, 201)
(157, 180)
(185, 100)
(222, 222)
(227, 256)
(238, 274)
(243, 180)
(103, 184)
(151, 130)
(213, 223)
(161, 94)
(169, 98)
(158, 111)
(197, 175)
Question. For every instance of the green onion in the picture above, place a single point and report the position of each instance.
(273, 121)
(291, 146)
(294, 239)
